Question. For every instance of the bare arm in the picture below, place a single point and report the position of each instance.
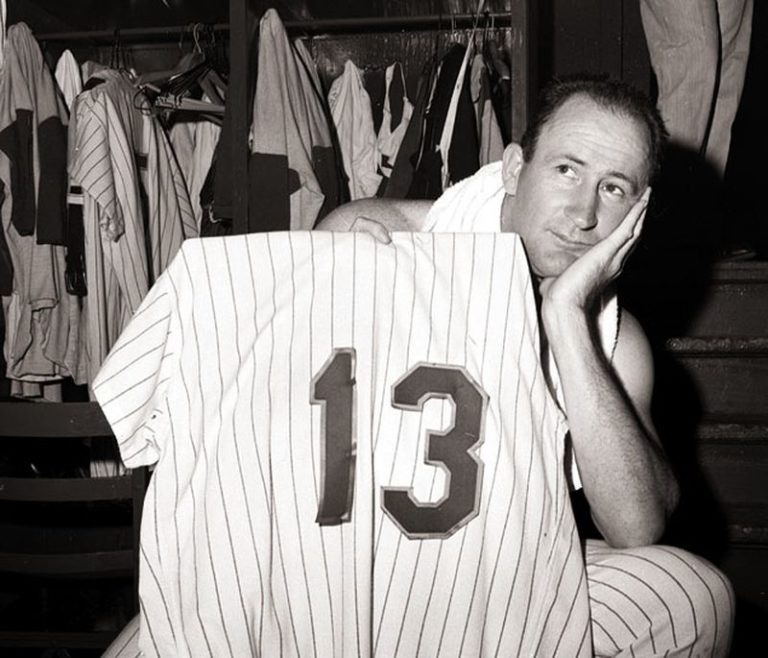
(391, 214)
(626, 476)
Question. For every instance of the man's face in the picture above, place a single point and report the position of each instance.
(589, 167)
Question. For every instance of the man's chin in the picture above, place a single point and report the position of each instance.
(552, 265)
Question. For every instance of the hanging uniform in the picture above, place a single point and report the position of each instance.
(70, 83)
(33, 123)
(194, 143)
(293, 165)
(356, 452)
(449, 149)
(401, 178)
(458, 143)
(488, 131)
(135, 206)
(397, 114)
(500, 86)
(42, 321)
(351, 111)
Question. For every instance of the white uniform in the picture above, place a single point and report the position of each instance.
(281, 379)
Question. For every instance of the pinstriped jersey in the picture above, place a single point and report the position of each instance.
(135, 216)
(356, 452)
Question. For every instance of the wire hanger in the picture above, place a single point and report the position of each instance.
(194, 71)
(172, 89)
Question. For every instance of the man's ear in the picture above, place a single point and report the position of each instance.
(511, 164)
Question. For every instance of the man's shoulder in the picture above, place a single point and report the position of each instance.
(393, 214)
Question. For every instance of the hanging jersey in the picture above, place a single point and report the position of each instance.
(42, 320)
(488, 130)
(350, 107)
(68, 77)
(293, 173)
(356, 452)
(136, 211)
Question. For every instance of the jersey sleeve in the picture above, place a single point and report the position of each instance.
(132, 384)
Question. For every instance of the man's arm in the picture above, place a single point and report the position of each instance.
(626, 476)
(365, 214)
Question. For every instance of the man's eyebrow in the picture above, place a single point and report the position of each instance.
(630, 181)
(614, 174)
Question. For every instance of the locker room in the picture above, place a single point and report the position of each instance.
(216, 302)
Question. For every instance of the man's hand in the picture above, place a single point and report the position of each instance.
(372, 227)
(586, 278)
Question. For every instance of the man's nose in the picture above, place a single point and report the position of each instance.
(582, 208)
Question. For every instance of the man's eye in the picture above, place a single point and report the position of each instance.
(614, 190)
(565, 169)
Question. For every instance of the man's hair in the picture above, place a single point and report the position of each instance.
(614, 95)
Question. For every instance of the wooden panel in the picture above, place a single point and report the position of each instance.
(610, 42)
(738, 309)
(738, 475)
(32, 639)
(71, 419)
(730, 429)
(728, 299)
(61, 564)
(635, 61)
(242, 20)
(524, 80)
(746, 567)
(736, 302)
(681, 293)
(577, 36)
(66, 489)
(728, 385)
(598, 36)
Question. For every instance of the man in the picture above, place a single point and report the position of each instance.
(575, 190)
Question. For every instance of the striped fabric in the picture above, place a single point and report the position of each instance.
(653, 601)
(657, 601)
(123, 161)
(220, 379)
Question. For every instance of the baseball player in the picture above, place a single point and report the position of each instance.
(575, 190)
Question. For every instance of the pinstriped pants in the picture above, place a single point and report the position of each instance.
(645, 602)
(657, 601)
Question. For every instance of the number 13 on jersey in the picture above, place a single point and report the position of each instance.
(453, 449)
